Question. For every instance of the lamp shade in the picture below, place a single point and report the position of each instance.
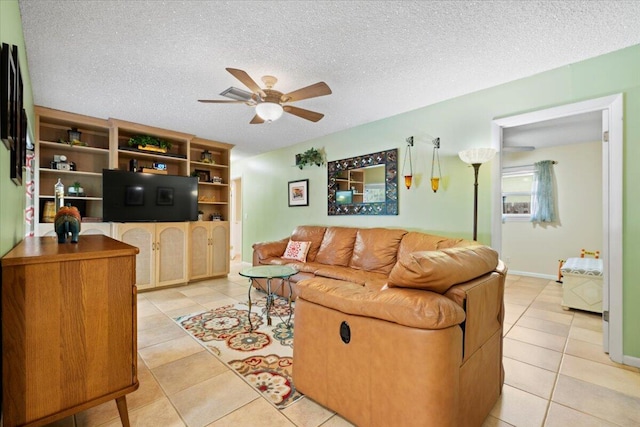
(269, 111)
(477, 155)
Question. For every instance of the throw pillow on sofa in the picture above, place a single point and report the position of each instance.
(296, 251)
(439, 270)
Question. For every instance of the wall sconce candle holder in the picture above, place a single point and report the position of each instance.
(435, 159)
(408, 178)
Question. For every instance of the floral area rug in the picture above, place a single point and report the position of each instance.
(263, 356)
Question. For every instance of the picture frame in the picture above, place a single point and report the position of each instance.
(203, 175)
(5, 71)
(298, 193)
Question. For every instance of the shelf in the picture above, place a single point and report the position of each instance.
(130, 151)
(63, 172)
(209, 165)
(213, 203)
(46, 196)
(74, 148)
(214, 184)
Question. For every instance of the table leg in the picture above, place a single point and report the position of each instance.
(121, 403)
(249, 298)
(269, 301)
(290, 297)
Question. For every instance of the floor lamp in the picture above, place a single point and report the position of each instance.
(475, 157)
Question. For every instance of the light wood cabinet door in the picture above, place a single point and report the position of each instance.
(143, 236)
(219, 248)
(199, 250)
(209, 249)
(171, 253)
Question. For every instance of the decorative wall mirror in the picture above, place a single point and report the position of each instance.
(364, 185)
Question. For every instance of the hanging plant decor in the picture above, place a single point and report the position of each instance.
(310, 157)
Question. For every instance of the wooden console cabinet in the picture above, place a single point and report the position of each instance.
(68, 328)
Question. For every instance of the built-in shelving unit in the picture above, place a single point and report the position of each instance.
(104, 144)
(87, 160)
(211, 158)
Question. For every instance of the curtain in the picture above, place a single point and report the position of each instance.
(542, 195)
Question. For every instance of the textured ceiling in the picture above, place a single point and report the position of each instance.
(149, 61)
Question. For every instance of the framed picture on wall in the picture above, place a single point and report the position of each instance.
(299, 193)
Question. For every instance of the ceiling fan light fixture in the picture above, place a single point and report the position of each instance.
(269, 111)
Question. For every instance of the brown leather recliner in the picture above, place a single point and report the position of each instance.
(404, 328)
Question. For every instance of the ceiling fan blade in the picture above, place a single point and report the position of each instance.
(256, 120)
(220, 101)
(305, 114)
(246, 80)
(318, 89)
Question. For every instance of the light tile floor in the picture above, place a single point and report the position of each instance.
(556, 372)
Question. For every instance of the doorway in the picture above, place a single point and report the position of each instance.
(612, 161)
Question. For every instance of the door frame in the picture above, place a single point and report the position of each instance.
(612, 179)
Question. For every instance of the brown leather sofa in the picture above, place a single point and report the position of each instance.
(395, 327)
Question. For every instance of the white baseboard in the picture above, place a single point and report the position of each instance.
(529, 274)
(631, 361)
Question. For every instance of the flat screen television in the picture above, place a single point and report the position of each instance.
(134, 196)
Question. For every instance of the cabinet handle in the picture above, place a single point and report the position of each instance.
(153, 246)
(157, 245)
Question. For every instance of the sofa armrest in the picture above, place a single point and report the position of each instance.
(483, 302)
(264, 250)
(409, 307)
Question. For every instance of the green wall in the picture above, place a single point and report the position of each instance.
(12, 197)
(462, 122)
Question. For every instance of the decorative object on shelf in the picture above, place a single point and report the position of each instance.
(61, 163)
(435, 159)
(49, 212)
(299, 193)
(74, 136)
(310, 157)
(216, 216)
(408, 177)
(200, 215)
(216, 180)
(133, 165)
(203, 175)
(76, 190)
(58, 191)
(150, 143)
(67, 222)
(160, 166)
(475, 157)
(206, 157)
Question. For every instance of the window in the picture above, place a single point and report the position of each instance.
(516, 193)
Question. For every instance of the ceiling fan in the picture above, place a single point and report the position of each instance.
(270, 103)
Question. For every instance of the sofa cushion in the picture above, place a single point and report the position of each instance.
(266, 250)
(375, 249)
(415, 241)
(337, 246)
(348, 274)
(309, 233)
(439, 270)
(296, 250)
(409, 307)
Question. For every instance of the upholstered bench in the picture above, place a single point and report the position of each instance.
(582, 284)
